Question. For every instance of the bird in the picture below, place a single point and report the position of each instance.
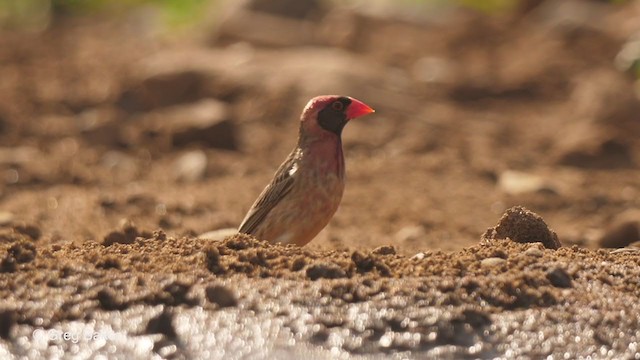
(307, 188)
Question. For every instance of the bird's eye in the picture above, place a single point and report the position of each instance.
(337, 106)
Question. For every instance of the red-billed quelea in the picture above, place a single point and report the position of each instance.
(307, 188)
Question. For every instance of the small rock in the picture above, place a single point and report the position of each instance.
(191, 166)
(534, 252)
(30, 230)
(213, 260)
(6, 218)
(295, 9)
(218, 235)
(126, 235)
(523, 226)
(265, 25)
(18, 155)
(620, 235)
(492, 262)
(326, 271)
(8, 264)
(162, 88)
(23, 251)
(559, 277)
(221, 295)
(419, 256)
(109, 262)
(516, 182)
(109, 300)
(162, 324)
(364, 263)
(603, 153)
(384, 250)
(631, 250)
(206, 122)
(122, 166)
(410, 234)
(7, 322)
(298, 263)
(101, 127)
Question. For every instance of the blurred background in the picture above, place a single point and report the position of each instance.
(174, 114)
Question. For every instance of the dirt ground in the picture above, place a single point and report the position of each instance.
(118, 147)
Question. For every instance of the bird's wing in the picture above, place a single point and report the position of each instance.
(279, 187)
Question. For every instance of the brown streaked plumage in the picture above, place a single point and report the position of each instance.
(307, 188)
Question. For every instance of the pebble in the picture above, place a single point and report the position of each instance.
(410, 233)
(6, 218)
(534, 252)
(516, 182)
(492, 261)
(621, 234)
(559, 277)
(191, 166)
(221, 295)
(218, 235)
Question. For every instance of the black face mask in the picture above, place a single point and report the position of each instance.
(333, 117)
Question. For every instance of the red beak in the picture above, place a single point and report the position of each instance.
(357, 109)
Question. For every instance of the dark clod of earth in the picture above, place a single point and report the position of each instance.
(523, 226)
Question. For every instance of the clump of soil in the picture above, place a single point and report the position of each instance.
(126, 235)
(523, 226)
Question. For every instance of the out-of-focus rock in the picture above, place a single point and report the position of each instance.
(534, 252)
(279, 23)
(624, 231)
(122, 166)
(570, 13)
(218, 235)
(18, 155)
(6, 218)
(257, 81)
(221, 295)
(603, 124)
(607, 97)
(492, 262)
(386, 33)
(410, 234)
(191, 166)
(296, 9)
(521, 225)
(4, 125)
(30, 230)
(384, 250)
(325, 270)
(516, 182)
(55, 126)
(206, 122)
(127, 234)
(264, 30)
(101, 127)
(433, 70)
(596, 151)
(559, 277)
(620, 235)
(628, 59)
(173, 77)
(162, 89)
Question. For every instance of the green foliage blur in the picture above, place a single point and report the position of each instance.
(33, 14)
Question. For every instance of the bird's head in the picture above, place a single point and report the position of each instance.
(328, 114)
